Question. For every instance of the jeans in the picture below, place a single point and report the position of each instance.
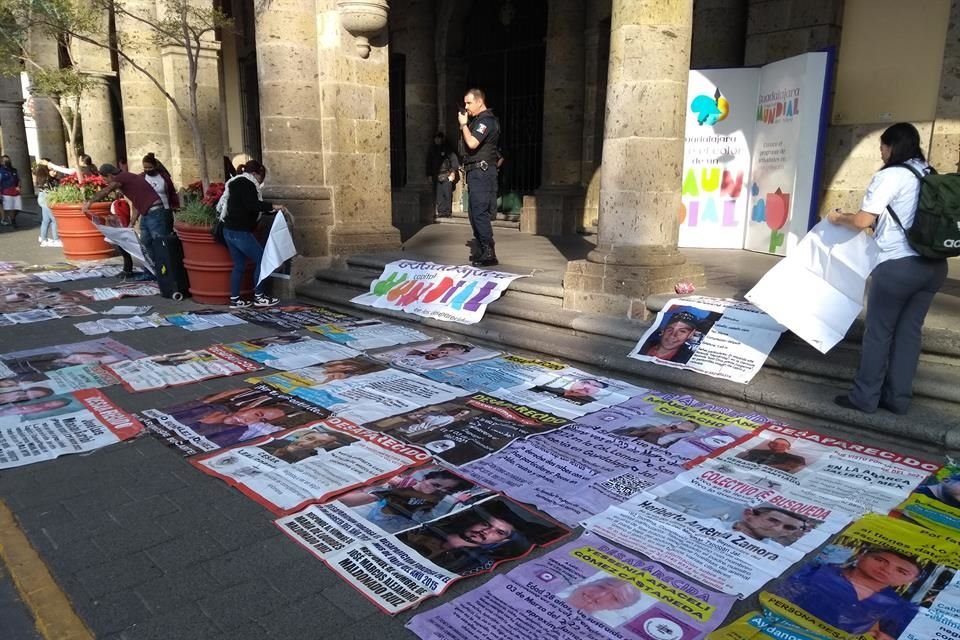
(900, 295)
(48, 222)
(157, 223)
(243, 245)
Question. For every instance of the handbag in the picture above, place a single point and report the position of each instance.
(217, 232)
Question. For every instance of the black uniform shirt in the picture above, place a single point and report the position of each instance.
(485, 128)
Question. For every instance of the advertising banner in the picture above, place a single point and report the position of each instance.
(497, 373)
(48, 428)
(287, 473)
(368, 334)
(229, 418)
(290, 351)
(727, 339)
(442, 292)
(585, 590)
(730, 533)
(398, 571)
(184, 367)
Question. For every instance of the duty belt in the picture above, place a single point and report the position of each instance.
(483, 164)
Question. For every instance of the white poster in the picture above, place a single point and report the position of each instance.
(817, 291)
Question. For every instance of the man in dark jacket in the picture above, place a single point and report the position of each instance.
(442, 168)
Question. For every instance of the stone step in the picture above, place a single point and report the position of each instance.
(791, 385)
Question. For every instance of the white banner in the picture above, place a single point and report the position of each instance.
(443, 292)
(279, 247)
(727, 339)
(126, 238)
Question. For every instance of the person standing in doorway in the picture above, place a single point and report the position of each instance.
(480, 131)
(443, 168)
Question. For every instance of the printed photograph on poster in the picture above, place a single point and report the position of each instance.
(183, 367)
(409, 499)
(59, 425)
(229, 418)
(723, 338)
(570, 393)
(438, 354)
(364, 335)
(290, 351)
(935, 504)
(501, 372)
(311, 465)
(587, 588)
(319, 375)
(865, 478)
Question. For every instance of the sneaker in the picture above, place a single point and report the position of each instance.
(44, 243)
(5, 222)
(263, 300)
(55, 243)
(236, 302)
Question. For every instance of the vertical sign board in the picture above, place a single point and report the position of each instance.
(786, 141)
(717, 157)
(750, 155)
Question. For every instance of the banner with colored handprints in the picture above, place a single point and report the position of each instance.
(442, 292)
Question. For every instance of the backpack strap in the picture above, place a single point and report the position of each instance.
(919, 175)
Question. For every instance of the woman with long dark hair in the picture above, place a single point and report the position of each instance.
(902, 284)
(43, 179)
(240, 209)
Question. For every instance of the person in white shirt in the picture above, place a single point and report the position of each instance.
(902, 284)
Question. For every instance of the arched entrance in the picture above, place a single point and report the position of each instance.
(504, 48)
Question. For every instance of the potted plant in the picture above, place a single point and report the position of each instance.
(208, 262)
(81, 240)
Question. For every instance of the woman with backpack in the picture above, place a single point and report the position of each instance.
(902, 284)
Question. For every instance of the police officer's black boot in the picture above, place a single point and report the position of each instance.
(488, 257)
(475, 250)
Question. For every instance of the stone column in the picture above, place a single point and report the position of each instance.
(96, 120)
(145, 119)
(15, 134)
(637, 253)
(412, 34)
(50, 136)
(555, 207)
(945, 140)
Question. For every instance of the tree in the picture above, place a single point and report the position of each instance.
(181, 23)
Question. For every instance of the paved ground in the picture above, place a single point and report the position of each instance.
(144, 546)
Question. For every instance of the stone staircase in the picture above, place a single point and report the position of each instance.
(797, 384)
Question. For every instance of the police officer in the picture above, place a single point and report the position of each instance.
(443, 167)
(479, 139)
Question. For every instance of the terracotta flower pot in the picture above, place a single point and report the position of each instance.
(81, 240)
(208, 265)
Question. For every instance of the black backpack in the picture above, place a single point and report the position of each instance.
(935, 232)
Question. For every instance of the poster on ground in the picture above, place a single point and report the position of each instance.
(203, 319)
(817, 291)
(881, 579)
(869, 478)
(575, 472)
(368, 334)
(47, 428)
(501, 372)
(398, 571)
(935, 504)
(35, 373)
(438, 291)
(319, 375)
(730, 533)
(292, 317)
(679, 423)
(184, 367)
(585, 590)
(370, 396)
(727, 339)
(571, 393)
(229, 418)
(438, 354)
(119, 325)
(290, 351)
(117, 291)
(288, 472)
(470, 428)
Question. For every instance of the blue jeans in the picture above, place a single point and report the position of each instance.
(243, 245)
(48, 222)
(157, 223)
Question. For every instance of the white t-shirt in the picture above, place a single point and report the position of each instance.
(160, 186)
(898, 188)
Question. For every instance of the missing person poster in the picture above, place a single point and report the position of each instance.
(184, 367)
(292, 317)
(866, 478)
(881, 579)
(727, 339)
(319, 375)
(290, 351)
(731, 533)
(571, 393)
(434, 355)
(47, 428)
(398, 571)
(290, 471)
(935, 504)
(364, 335)
(442, 292)
(501, 372)
(587, 589)
(229, 418)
